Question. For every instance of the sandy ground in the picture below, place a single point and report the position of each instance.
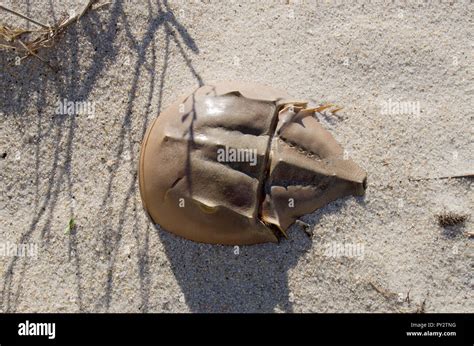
(130, 59)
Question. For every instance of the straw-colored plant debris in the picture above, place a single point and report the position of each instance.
(28, 42)
(454, 176)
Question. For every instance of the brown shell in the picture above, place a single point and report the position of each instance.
(189, 190)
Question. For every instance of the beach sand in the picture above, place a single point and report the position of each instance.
(401, 71)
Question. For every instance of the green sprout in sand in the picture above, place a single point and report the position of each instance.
(70, 227)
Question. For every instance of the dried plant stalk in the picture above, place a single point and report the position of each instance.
(455, 176)
(28, 42)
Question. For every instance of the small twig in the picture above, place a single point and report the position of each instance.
(101, 5)
(24, 17)
(421, 308)
(466, 175)
(37, 56)
(31, 52)
(44, 37)
(407, 298)
(77, 16)
(7, 46)
(387, 294)
(86, 7)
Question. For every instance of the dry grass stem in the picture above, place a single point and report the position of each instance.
(28, 42)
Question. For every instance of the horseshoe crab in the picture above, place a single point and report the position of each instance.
(237, 163)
